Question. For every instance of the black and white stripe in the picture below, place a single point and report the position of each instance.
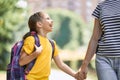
(108, 12)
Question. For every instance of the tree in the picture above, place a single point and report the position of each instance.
(9, 23)
(68, 28)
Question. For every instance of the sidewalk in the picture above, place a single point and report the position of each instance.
(59, 75)
(55, 75)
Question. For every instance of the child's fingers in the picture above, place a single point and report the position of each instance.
(41, 47)
(36, 47)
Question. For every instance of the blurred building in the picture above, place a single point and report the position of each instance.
(82, 7)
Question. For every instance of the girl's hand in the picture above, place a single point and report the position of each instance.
(79, 76)
(38, 50)
(83, 72)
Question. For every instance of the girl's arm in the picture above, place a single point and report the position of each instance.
(61, 65)
(92, 46)
(25, 58)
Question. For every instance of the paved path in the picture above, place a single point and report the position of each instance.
(59, 75)
(55, 75)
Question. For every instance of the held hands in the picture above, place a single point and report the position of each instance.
(81, 74)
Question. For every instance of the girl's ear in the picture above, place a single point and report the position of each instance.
(39, 24)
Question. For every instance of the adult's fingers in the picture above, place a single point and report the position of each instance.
(82, 75)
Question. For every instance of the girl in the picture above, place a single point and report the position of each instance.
(42, 24)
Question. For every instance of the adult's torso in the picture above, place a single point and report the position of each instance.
(109, 43)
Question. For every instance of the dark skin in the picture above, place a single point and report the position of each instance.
(91, 49)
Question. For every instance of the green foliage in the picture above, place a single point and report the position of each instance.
(88, 31)
(11, 20)
(6, 5)
(68, 28)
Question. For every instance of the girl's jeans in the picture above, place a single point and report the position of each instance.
(108, 68)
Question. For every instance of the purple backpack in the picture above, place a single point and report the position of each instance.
(14, 70)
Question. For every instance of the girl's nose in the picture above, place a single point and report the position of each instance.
(51, 21)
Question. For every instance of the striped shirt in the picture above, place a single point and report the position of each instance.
(108, 12)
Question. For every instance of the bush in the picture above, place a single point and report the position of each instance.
(68, 28)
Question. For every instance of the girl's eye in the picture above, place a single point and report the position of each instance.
(48, 18)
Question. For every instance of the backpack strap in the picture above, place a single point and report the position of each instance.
(31, 64)
(53, 47)
(16, 50)
(34, 34)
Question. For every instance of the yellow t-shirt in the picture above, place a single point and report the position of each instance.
(42, 66)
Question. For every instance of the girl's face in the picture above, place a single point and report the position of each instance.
(47, 23)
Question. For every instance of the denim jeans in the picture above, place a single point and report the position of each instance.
(108, 68)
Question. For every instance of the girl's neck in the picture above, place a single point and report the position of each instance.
(42, 34)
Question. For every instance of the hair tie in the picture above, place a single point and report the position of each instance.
(32, 32)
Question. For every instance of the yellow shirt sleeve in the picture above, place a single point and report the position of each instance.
(28, 46)
(56, 50)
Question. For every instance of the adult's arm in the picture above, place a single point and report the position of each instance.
(92, 46)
